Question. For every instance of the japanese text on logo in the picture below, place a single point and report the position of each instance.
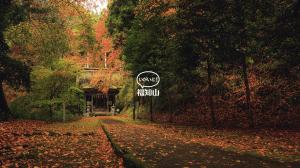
(148, 80)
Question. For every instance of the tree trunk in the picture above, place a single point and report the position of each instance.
(51, 111)
(170, 107)
(247, 90)
(78, 106)
(151, 109)
(133, 98)
(64, 111)
(138, 108)
(4, 110)
(296, 7)
(210, 94)
(243, 36)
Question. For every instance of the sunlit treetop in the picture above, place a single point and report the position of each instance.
(96, 6)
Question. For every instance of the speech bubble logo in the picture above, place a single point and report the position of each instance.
(148, 79)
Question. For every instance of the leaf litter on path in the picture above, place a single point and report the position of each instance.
(40, 144)
(170, 146)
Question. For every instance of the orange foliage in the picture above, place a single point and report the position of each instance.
(100, 28)
(149, 9)
(77, 60)
(106, 45)
(11, 94)
(114, 56)
(169, 12)
(102, 79)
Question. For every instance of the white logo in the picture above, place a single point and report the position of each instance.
(147, 80)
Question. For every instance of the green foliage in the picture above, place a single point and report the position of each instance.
(220, 50)
(39, 41)
(13, 72)
(120, 19)
(151, 45)
(49, 35)
(21, 107)
(50, 89)
(27, 107)
(87, 37)
(124, 98)
(198, 46)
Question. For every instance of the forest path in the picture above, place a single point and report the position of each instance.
(39, 144)
(161, 146)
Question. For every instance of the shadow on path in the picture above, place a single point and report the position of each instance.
(159, 148)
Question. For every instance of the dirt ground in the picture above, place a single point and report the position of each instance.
(84, 144)
(39, 144)
(173, 146)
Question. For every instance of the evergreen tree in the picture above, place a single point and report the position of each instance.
(12, 72)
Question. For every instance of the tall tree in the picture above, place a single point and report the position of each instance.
(12, 72)
(240, 14)
(203, 21)
(120, 19)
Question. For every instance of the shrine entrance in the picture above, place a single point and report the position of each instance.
(98, 103)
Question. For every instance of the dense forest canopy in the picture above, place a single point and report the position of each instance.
(37, 39)
(150, 83)
(227, 60)
(222, 63)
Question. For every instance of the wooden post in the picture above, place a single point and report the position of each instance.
(64, 112)
(78, 106)
(248, 93)
(105, 60)
(92, 104)
(138, 108)
(107, 102)
(210, 92)
(133, 97)
(4, 110)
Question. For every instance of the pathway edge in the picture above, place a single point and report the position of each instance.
(130, 161)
